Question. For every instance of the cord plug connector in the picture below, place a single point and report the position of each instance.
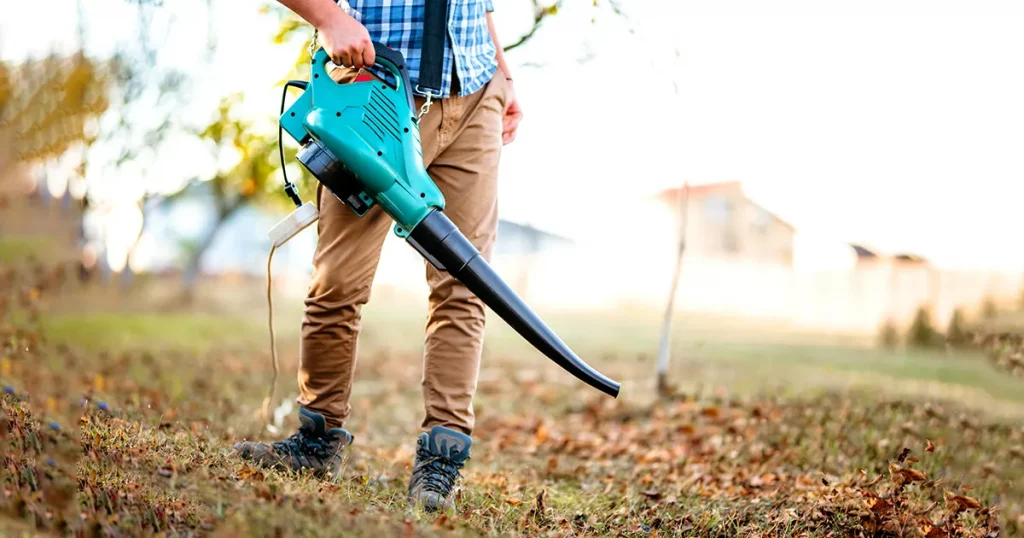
(293, 194)
(294, 223)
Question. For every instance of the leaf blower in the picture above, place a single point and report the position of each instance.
(361, 141)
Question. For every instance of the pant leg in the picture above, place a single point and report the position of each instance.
(465, 167)
(347, 253)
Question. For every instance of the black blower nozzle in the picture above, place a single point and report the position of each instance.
(438, 240)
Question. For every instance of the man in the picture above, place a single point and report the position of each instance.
(462, 134)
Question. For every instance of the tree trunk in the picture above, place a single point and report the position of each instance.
(126, 277)
(127, 274)
(664, 351)
(191, 275)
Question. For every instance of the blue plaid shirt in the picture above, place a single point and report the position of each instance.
(399, 25)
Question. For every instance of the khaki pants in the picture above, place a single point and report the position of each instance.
(461, 139)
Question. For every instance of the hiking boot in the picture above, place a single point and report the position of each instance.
(313, 447)
(439, 457)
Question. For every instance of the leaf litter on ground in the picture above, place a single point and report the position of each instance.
(153, 458)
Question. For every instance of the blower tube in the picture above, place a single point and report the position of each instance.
(438, 240)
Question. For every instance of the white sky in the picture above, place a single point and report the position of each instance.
(895, 124)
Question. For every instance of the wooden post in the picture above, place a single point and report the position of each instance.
(664, 351)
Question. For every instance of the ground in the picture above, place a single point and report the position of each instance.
(120, 409)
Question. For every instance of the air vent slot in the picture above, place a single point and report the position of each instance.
(381, 115)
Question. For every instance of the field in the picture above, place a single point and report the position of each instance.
(119, 411)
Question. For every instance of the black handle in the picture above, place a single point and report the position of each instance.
(397, 61)
(383, 51)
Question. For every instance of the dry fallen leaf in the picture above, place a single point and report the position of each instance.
(961, 502)
(880, 507)
(250, 473)
(930, 531)
(902, 475)
(929, 447)
(542, 433)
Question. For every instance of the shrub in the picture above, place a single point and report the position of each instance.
(889, 335)
(957, 334)
(922, 331)
(989, 309)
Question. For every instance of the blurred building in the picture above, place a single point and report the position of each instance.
(741, 260)
(521, 247)
(723, 222)
(522, 239)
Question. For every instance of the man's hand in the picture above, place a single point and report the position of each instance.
(347, 42)
(344, 39)
(510, 121)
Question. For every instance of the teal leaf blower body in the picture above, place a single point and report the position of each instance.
(361, 141)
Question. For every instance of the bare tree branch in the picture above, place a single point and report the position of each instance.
(539, 14)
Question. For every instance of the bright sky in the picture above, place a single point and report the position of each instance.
(895, 124)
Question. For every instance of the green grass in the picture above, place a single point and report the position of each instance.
(15, 250)
(115, 331)
(600, 339)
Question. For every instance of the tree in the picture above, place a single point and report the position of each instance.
(47, 105)
(127, 103)
(664, 350)
(542, 12)
(251, 180)
(922, 333)
(957, 334)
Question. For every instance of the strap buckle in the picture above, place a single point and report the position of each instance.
(426, 104)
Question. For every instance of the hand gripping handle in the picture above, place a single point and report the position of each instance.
(389, 59)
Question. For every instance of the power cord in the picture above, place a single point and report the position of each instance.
(289, 187)
(303, 216)
(273, 344)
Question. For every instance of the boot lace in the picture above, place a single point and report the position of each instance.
(301, 444)
(436, 473)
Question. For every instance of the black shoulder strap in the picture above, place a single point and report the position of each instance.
(435, 30)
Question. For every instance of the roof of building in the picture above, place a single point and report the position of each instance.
(672, 197)
(505, 225)
(912, 258)
(863, 252)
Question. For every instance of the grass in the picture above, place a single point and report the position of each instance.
(602, 340)
(114, 331)
(773, 433)
(14, 249)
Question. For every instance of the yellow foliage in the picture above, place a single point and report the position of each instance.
(248, 187)
(48, 102)
(5, 88)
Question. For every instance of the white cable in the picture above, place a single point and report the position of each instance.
(288, 228)
(273, 344)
